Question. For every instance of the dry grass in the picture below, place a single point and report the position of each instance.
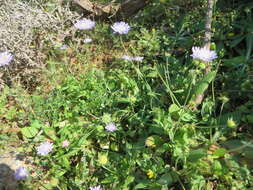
(27, 31)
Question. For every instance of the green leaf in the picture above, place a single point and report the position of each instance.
(174, 111)
(173, 108)
(202, 85)
(50, 132)
(109, 180)
(195, 155)
(217, 167)
(219, 152)
(141, 186)
(236, 41)
(249, 43)
(128, 180)
(234, 62)
(166, 179)
(36, 124)
(29, 132)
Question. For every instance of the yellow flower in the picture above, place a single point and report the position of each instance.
(150, 174)
(153, 141)
(102, 159)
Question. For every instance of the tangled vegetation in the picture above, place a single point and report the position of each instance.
(115, 106)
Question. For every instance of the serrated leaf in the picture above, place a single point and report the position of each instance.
(36, 124)
(29, 132)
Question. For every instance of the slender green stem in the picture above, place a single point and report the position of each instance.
(188, 94)
(172, 96)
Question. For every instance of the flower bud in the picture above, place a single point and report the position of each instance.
(231, 123)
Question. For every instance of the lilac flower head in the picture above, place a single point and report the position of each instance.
(203, 54)
(21, 173)
(84, 24)
(111, 127)
(44, 148)
(121, 27)
(127, 58)
(63, 47)
(87, 40)
(5, 58)
(138, 58)
(65, 143)
(96, 188)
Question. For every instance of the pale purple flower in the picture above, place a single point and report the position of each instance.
(121, 27)
(63, 47)
(5, 58)
(21, 173)
(127, 58)
(65, 143)
(138, 58)
(111, 127)
(96, 188)
(84, 24)
(44, 148)
(87, 40)
(203, 54)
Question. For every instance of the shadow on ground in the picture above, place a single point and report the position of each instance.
(7, 180)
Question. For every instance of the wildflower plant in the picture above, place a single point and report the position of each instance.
(44, 148)
(21, 173)
(84, 24)
(95, 188)
(120, 27)
(129, 58)
(5, 58)
(87, 40)
(111, 127)
(65, 143)
(131, 127)
(203, 54)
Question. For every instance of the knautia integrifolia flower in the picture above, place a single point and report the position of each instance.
(84, 24)
(121, 27)
(203, 54)
(96, 188)
(127, 58)
(138, 58)
(21, 173)
(63, 47)
(65, 143)
(111, 127)
(44, 148)
(5, 58)
(87, 40)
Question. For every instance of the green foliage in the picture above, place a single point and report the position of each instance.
(160, 142)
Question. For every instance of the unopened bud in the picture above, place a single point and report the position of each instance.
(231, 123)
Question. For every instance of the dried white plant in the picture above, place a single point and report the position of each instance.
(27, 27)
